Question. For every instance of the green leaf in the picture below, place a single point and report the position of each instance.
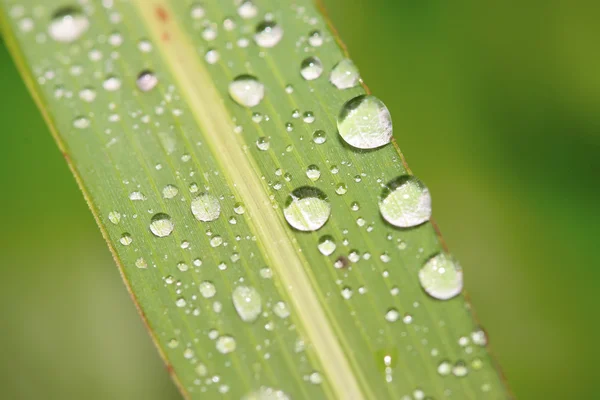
(269, 254)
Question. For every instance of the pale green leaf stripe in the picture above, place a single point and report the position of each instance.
(182, 133)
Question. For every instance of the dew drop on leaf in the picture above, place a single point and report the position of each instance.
(364, 122)
(441, 277)
(268, 34)
(405, 202)
(246, 90)
(344, 75)
(161, 225)
(206, 207)
(307, 209)
(311, 68)
(247, 302)
(146, 80)
(326, 245)
(68, 24)
(207, 289)
(225, 344)
(315, 38)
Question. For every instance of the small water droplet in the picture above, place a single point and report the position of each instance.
(146, 80)
(87, 94)
(392, 315)
(126, 239)
(182, 266)
(247, 9)
(262, 143)
(111, 83)
(344, 75)
(307, 209)
(308, 117)
(246, 90)
(281, 309)
(137, 196)
(144, 45)
(313, 173)
(441, 277)
(326, 245)
(206, 207)
(247, 302)
(225, 344)
(170, 191)
(81, 122)
(207, 289)
(141, 263)
(238, 208)
(311, 68)
(319, 136)
(365, 122)
(315, 39)
(405, 202)
(180, 302)
(114, 217)
(197, 11)
(460, 369)
(341, 188)
(161, 225)
(68, 24)
(268, 34)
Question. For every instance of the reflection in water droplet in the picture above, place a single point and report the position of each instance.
(319, 137)
(315, 38)
(307, 209)
(206, 207)
(344, 75)
(146, 80)
(268, 34)
(225, 344)
(247, 302)
(68, 24)
(313, 173)
(212, 56)
(405, 202)
(262, 143)
(246, 90)
(114, 217)
(126, 239)
(311, 68)
(161, 225)
(441, 277)
(326, 245)
(365, 122)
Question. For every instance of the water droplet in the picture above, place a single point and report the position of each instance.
(281, 309)
(141, 263)
(266, 393)
(81, 122)
(341, 189)
(212, 56)
(197, 11)
(182, 266)
(170, 191)
(365, 122)
(68, 24)
(87, 94)
(246, 90)
(344, 75)
(392, 315)
(114, 217)
(268, 34)
(126, 239)
(111, 83)
(308, 117)
(247, 302)
(479, 337)
(315, 39)
(161, 225)
(180, 302)
(460, 369)
(441, 277)
(207, 289)
(225, 344)
(262, 143)
(137, 196)
(311, 68)
(146, 80)
(144, 45)
(405, 202)
(444, 368)
(247, 9)
(238, 208)
(347, 293)
(326, 245)
(307, 209)
(206, 207)
(319, 137)
(315, 378)
(313, 173)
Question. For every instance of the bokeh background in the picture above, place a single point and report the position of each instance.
(496, 107)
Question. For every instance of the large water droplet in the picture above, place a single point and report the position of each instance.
(311, 68)
(161, 225)
(268, 34)
(405, 202)
(68, 24)
(247, 303)
(365, 122)
(307, 209)
(344, 75)
(246, 90)
(441, 277)
(206, 207)
(146, 80)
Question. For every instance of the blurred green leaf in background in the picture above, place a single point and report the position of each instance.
(496, 108)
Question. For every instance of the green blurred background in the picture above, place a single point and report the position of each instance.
(497, 109)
